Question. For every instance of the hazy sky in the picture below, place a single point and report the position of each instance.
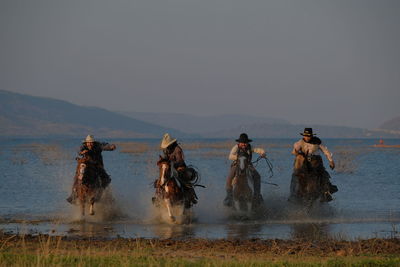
(331, 62)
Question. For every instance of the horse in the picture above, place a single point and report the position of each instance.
(168, 190)
(305, 185)
(242, 193)
(87, 184)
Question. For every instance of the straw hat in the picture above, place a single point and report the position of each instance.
(89, 139)
(166, 141)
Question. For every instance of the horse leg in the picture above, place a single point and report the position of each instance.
(169, 209)
(82, 207)
(91, 209)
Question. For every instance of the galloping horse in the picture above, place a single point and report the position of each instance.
(306, 184)
(87, 184)
(242, 193)
(168, 189)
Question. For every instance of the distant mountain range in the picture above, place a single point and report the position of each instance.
(391, 125)
(202, 125)
(30, 116)
(24, 115)
(230, 126)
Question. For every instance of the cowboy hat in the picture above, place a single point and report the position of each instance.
(307, 132)
(166, 141)
(243, 138)
(89, 139)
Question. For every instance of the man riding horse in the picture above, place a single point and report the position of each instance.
(308, 148)
(174, 153)
(92, 149)
(244, 148)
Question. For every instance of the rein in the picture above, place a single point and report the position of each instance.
(270, 167)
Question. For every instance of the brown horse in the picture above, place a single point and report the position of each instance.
(168, 191)
(306, 181)
(242, 193)
(87, 184)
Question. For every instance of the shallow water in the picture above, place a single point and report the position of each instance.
(37, 177)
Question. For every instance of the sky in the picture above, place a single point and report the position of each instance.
(333, 62)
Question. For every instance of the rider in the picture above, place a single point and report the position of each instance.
(244, 148)
(173, 152)
(93, 149)
(309, 147)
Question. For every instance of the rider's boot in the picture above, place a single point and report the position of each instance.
(228, 201)
(71, 199)
(332, 188)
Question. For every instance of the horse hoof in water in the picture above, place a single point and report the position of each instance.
(91, 212)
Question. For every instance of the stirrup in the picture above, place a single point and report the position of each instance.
(326, 197)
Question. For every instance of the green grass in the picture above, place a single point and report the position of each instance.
(135, 259)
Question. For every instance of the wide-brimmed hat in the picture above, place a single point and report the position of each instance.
(307, 132)
(243, 138)
(89, 139)
(166, 141)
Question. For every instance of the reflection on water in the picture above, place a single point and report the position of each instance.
(91, 230)
(313, 231)
(243, 231)
(38, 175)
(173, 231)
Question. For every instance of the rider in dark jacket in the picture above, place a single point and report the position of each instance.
(174, 153)
(93, 149)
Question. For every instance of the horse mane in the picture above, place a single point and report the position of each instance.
(90, 176)
(162, 160)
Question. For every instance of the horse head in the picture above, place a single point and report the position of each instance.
(242, 193)
(242, 164)
(164, 166)
(167, 187)
(88, 187)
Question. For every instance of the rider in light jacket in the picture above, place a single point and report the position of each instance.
(244, 148)
(309, 147)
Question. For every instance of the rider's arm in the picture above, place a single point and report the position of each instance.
(107, 146)
(259, 151)
(82, 150)
(296, 148)
(233, 154)
(325, 150)
(328, 155)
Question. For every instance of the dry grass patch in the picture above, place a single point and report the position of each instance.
(202, 145)
(47, 153)
(133, 147)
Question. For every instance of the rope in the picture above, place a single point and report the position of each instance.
(270, 167)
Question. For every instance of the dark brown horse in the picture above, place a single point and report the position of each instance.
(87, 184)
(242, 193)
(306, 181)
(168, 190)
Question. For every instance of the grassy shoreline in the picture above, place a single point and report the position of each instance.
(43, 250)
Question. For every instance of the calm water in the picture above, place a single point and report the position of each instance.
(36, 177)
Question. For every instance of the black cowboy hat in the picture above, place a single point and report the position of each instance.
(243, 138)
(307, 132)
